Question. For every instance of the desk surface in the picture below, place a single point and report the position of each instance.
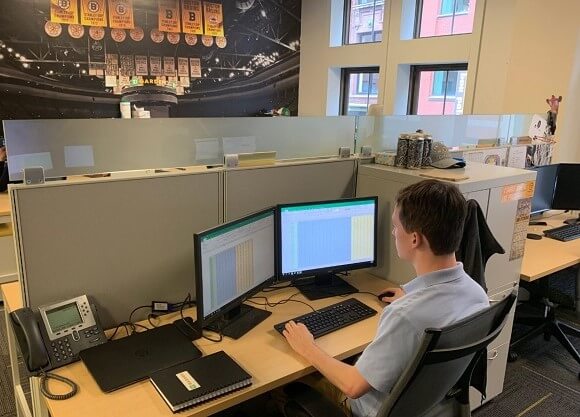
(262, 352)
(546, 256)
(5, 208)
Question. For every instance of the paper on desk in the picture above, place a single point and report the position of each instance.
(446, 175)
(79, 156)
(207, 149)
(517, 156)
(17, 163)
(240, 144)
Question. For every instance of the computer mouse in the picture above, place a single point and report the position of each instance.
(386, 294)
(533, 236)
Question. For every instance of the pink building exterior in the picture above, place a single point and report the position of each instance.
(437, 19)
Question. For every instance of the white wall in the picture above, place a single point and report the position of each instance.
(521, 52)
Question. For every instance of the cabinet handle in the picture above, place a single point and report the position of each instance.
(493, 355)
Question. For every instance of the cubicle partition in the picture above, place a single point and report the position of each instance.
(249, 190)
(126, 242)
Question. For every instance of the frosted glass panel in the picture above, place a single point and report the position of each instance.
(382, 132)
(156, 143)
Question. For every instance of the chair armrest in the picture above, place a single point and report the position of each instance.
(304, 401)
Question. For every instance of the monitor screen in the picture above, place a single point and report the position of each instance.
(567, 193)
(328, 236)
(544, 189)
(232, 262)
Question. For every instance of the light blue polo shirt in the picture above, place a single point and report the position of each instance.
(436, 299)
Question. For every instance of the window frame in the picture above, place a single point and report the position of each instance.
(414, 81)
(345, 74)
(346, 23)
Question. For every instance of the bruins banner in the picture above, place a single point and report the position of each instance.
(213, 19)
(191, 16)
(64, 11)
(121, 14)
(195, 67)
(93, 13)
(168, 15)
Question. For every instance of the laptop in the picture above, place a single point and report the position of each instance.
(122, 362)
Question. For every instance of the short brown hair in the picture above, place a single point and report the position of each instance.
(435, 209)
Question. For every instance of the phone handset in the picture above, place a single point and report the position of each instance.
(30, 340)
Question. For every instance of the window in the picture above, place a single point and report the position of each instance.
(359, 90)
(363, 21)
(448, 6)
(444, 83)
(444, 17)
(437, 89)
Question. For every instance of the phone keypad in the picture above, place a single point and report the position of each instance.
(62, 350)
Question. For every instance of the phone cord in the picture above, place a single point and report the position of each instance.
(45, 376)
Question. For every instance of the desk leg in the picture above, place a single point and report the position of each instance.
(22, 408)
(39, 408)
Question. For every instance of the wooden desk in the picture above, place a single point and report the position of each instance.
(262, 352)
(546, 256)
(5, 208)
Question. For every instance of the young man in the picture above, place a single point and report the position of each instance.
(427, 227)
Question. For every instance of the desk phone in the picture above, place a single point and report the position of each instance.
(54, 335)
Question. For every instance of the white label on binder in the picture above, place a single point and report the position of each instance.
(187, 380)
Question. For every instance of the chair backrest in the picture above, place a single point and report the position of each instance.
(443, 357)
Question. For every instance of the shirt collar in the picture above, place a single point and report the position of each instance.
(433, 278)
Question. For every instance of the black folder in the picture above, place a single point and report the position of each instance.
(191, 383)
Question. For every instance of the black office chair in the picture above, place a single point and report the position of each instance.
(436, 382)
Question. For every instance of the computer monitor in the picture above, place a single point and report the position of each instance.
(567, 193)
(544, 190)
(233, 261)
(319, 239)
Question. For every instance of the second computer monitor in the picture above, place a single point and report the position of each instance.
(567, 194)
(320, 239)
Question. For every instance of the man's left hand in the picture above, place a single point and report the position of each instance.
(299, 338)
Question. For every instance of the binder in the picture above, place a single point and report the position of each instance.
(199, 380)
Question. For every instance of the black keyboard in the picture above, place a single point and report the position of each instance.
(333, 317)
(564, 233)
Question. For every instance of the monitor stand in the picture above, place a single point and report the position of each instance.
(323, 286)
(239, 321)
(573, 221)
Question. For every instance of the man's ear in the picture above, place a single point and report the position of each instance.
(416, 239)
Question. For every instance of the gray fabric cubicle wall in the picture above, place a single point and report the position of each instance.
(124, 242)
(252, 189)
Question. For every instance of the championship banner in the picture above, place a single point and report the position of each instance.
(169, 15)
(213, 19)
(64, 11)
(155, 65)
(192, 17)
(182, 67)
(169, 66)
(141, 65)
(195, 66)
(121, 14)
(93, 13)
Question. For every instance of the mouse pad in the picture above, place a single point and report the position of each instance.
(121, 362)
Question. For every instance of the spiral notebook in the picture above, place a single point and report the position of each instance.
(191, 383)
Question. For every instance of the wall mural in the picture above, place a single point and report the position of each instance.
(181, 58)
